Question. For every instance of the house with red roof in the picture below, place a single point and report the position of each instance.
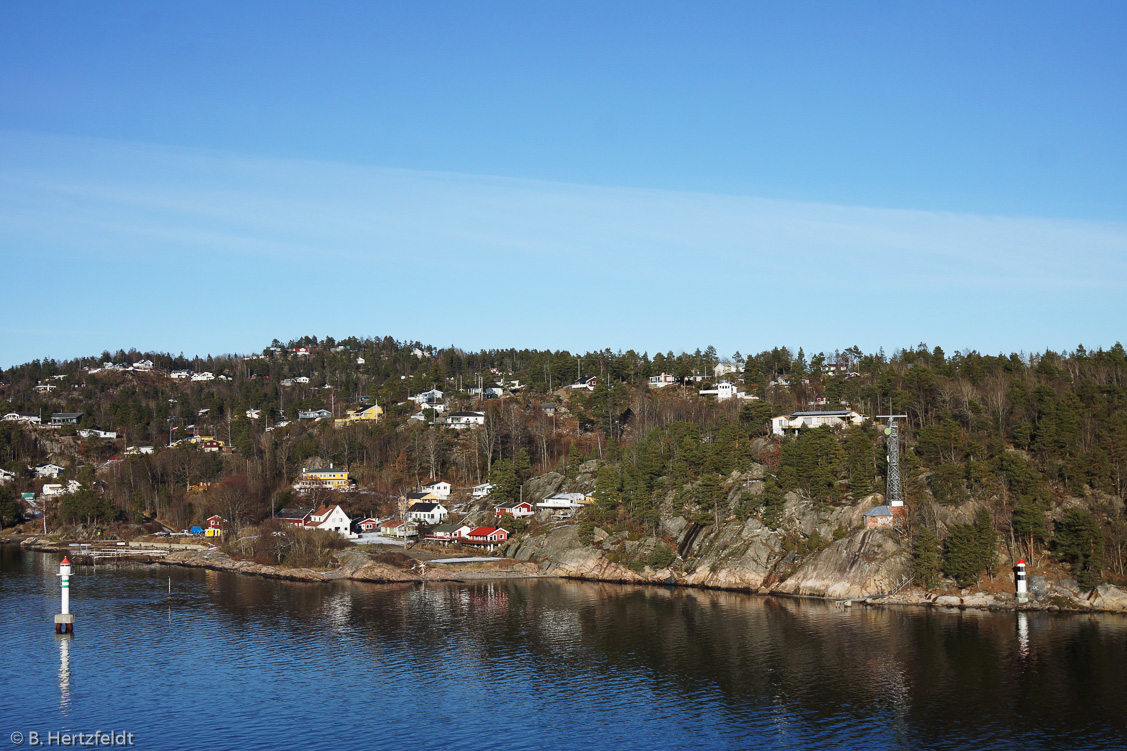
(487, 537)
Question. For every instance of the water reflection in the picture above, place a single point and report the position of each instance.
(1022, 634)
(64, 669)
(592, 665)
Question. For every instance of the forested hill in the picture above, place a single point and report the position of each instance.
(1039, 441)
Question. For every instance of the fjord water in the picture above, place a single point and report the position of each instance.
(233, 662)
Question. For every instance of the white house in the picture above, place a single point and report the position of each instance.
(301, 379)
(253, 414)
(49, 470)
(6, 476)
(138, 450)
(180, 374)
(565, 501)
(726, 390)
(460, 420)
(482, 490)
(314, 414)
(721, 369)
(204, 376)
(438, 406)
(449, 532)
(397, 528)
(51, 490)
(96, 433)
(143, 365)
(661, 381)
(434, 395)
(23, 417)
(331, 518)
(438, 488)
(427, 513)
(837, 418)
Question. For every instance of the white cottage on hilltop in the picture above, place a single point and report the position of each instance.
(792, 423)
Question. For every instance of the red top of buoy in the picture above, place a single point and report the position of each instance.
(65, 562)
(1021, 562)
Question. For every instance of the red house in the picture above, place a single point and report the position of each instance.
(516, 510)
(488, 537)
(369, 525)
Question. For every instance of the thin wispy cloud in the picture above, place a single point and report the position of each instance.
(748, 267)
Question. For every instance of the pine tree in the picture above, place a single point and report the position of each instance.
(1080, 544)
(925, 559)
(962, 559)
(987, 541)
(1029, 524)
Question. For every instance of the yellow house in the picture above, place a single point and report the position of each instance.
(312, 479)
(371, 413)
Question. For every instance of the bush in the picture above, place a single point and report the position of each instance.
(281, 544)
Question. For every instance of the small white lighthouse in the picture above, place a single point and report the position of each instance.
(64, 621)
(1019, 576)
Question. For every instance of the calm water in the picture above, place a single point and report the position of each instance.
(235, 662)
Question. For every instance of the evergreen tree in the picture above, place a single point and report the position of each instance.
(987, 540)
(1029, 524)
(774, 502)
(506, 485)
(962, 559)
(926, 559)
(1080, 543)
(9, 507)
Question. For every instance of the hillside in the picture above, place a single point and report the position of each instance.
(1002, 456)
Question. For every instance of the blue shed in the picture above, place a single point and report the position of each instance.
(197, 530)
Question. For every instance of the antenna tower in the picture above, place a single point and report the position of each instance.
(892, 493)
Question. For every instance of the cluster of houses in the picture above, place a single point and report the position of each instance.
(424, 508)
(57, 419)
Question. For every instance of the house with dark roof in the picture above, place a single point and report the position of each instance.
(427, 513)
(439, 488)
(447, 533)
(460, 420)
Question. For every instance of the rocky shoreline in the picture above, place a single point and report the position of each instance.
(846, 585)
(352, 566)
(869, 567)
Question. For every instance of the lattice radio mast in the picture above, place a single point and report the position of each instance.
(892, 493)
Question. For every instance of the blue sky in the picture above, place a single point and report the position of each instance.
(206, 177)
